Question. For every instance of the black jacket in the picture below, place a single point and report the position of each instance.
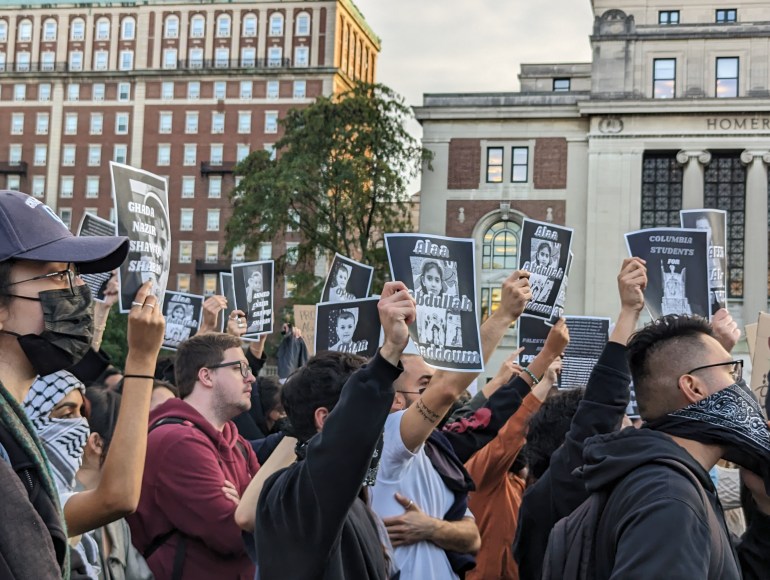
(310, 520)
(655, 523)
(558, 492)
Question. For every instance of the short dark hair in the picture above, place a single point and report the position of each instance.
(548, 428)
(5, 280)
(670, 340)
(269, 391)
(199, 352)
(315, 385)
(103, 415)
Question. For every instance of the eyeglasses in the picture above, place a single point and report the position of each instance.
(243, 366)
(70, 274)
(419, 391)
(736, 369)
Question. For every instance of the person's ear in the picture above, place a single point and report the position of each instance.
(205, 377)
(399, 403)
(319, 416)
(692, 388)
(95, 444)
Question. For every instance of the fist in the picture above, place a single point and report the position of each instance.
(515, 294)
(558, 338)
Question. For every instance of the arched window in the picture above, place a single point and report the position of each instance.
(171, 27)
(197, 26)
(3, 30)
(49, 29)
(303, 24)
(499, 255)
(25, 31)
(250, 25)
(223, 26)
(128, 28)
(276, 24)
(103, 29)
(78, 29)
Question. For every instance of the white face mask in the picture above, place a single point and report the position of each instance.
(64, 441)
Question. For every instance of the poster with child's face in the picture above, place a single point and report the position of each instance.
(253, 286)
(347, 280)
(183, 317)
(352, 327)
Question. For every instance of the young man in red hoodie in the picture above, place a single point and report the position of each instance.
(197, 467)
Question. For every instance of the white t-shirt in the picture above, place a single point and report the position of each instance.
(413, 476)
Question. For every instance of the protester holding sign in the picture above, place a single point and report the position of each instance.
(253, 285)
(347, 280)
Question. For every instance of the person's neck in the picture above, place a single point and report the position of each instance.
(203, 406)
(706, 455)
(17, 377)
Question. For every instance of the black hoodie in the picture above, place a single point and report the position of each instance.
(655, 523)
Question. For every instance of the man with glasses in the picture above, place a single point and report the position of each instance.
(662, 518)
(198, 466)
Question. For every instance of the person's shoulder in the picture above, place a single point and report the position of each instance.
(659, 484)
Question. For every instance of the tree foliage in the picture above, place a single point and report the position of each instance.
(339, 178)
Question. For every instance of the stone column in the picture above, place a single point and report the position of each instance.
(755, 247)
(692, 182)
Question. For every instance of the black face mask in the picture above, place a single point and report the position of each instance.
(69, 328)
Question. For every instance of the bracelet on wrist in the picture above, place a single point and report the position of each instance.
(532, 376)
(149, 377)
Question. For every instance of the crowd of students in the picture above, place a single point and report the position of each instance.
(194, 467)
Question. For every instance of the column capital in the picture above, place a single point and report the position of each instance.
(686, 155)
(748, 156)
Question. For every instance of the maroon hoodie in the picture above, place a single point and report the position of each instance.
(186, 467)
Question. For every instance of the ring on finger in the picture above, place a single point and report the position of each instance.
(136, 304)
(149, 304)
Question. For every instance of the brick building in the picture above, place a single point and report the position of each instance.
(672, 113)
(181, 89)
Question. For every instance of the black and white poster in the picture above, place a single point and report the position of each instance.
(352, 327)
(92, 225)
(532, 334)
(440, 274)
(183, 314)
(141, 209)
(253, 286)
(714, 223)
(561, 298)
(677, 270)
(588, 336)
(544, 253)
(226, 290)
(347, 280)
(632, 410)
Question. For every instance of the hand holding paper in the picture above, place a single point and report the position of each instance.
(515, 294)
(146, 327)
(632, 281)
(726, 329)
(557, 339)
(397, 311)
(212, 306)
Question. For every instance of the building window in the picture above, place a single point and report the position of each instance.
(725, 188)
(20, 92)
(190, 154)
(92, 186)
(188, 186)
(124, 91)
(167, 90)
(121, 124)
(185, 252)
(500, 251)
(664, 78)
(666, 17)
(165, 122)
(13, 182)
(17, 123)
(97, 91)
(249, 25)
(217, 122)
(24, 33)
(276, 24)
(128, 28)
(300, 90)
(41, 154)
(726, 15)
(70, 123)
(239, 253)
(65, 213)
(301, 56)
(3, 31)
(222, 58)
(293, 223)
(164, 155)
(727, 77)
(270, 148)
(186, 219)
(212, 220)
(561, 85)
(248, 57)
(76, 60)
(273, 88)
(241, 152)
(77, 29)
(271, 122)
(68, 155)
(103, 29)
(49, 30)
(519, 164)
(2, 61)
(265, 251)
(216, 155)
(494, 165)
(120, 154)
(212, 252)
(41, 125)
(220, 90)
(303, 24)
(47, 60)
(169, 58)
(274, 57)
(44, 92)
(223, 26)
(193, 90)
(289, 287)
(292, 253)
(126, 60)
(14, 154)
(23, 59)
(197, 26)
(183, 282)
(97, 124)
(38, 186)
(94, 155)
(246, 89)
(209, 284)
(661, 190)
(190, 122)
(101, 58)
(171, 27)
(244, 122)
(215, 187)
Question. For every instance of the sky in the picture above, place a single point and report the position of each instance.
(446, 46)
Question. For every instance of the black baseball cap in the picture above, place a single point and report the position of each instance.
(30, 230)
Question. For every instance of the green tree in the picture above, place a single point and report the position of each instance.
(339, 178)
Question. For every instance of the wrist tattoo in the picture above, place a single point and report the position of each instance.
(426, 413)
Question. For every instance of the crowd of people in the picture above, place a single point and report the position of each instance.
(195, 467)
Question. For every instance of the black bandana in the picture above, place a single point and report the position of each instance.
(730, 418)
